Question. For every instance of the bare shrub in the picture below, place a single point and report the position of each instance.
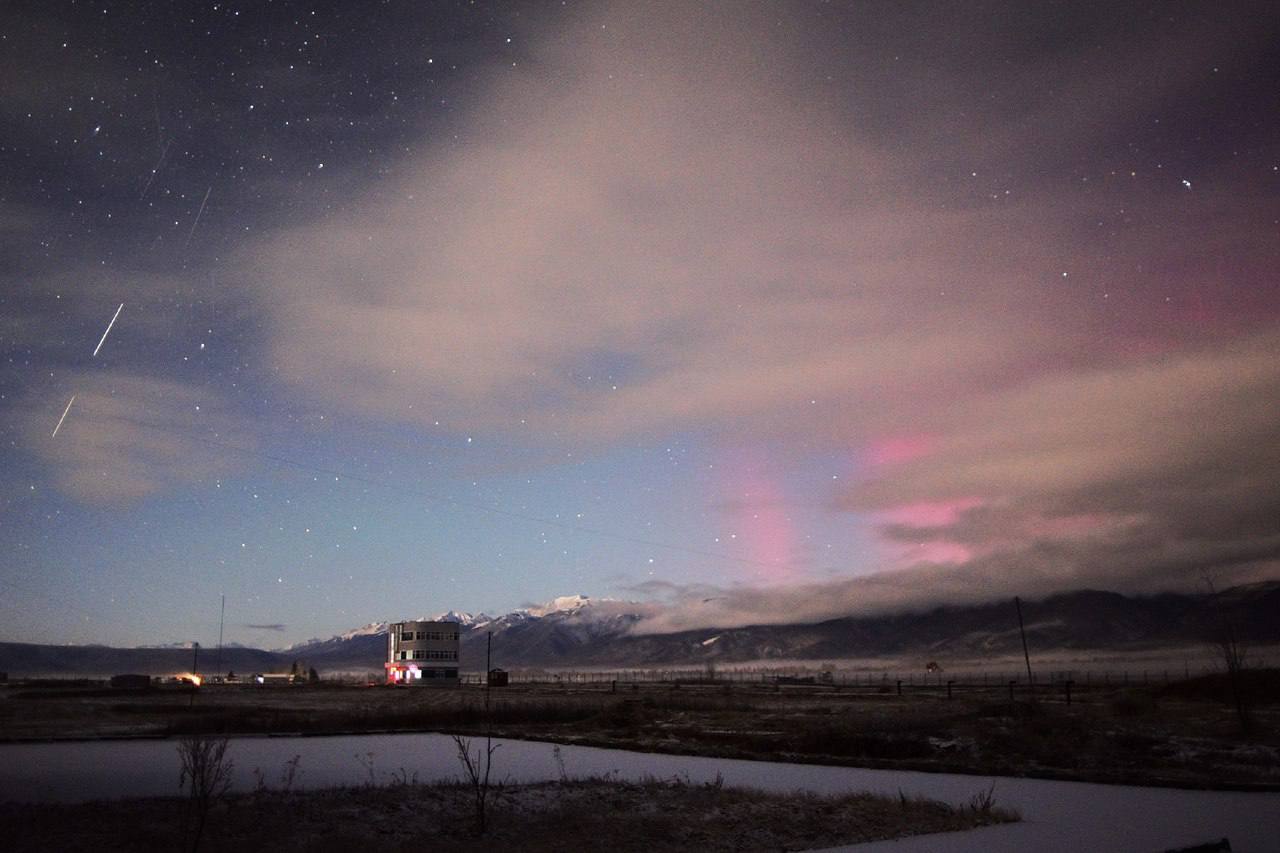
(289, 773)
(204, 779)
(1231, 652)
(402, 778)
(559, 759)
(983, 802)
(477, 767)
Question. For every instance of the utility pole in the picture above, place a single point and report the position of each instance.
(195, 676)
(222, 616)
(1022, 630)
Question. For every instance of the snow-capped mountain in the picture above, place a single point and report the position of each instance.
(599, 632)
(544, 631)
(561, 604)
(362, 631)
(580, 631)
(466, 620)
(371, 629)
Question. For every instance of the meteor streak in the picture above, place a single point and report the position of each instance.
(203, 202)
(64, 416)
(108, 331)
(155, 169)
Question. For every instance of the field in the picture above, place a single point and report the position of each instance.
(1183, 733)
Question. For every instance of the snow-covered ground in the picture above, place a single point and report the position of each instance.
(1057, 816)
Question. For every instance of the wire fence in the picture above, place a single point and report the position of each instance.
(1065, 685)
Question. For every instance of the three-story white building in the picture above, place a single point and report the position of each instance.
(423, 653)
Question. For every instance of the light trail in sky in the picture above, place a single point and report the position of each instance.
(155, 169)
(203, 202)
(108, 331)
(64, 416)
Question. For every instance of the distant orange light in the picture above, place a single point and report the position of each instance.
(192, 677)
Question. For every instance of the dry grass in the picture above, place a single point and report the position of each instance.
(569, 815)
(1182, 734)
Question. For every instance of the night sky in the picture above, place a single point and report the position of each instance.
(750, 312)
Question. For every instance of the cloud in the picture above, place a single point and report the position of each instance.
(1129, 480)
(726, 237)
(128, 436)
(1172, 459)
(662, 221)
(277, 627)
(1032, 572)
(908, 270)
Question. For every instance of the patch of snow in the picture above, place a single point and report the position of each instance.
(562, 604)
(711, 640)
(466, 620)
(364, 630)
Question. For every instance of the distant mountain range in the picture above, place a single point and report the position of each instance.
(575, 631)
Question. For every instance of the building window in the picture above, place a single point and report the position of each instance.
(406, 636)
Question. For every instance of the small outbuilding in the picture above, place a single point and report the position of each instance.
(269, 678)
(498, 678)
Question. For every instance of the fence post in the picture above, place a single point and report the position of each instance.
(1011, 683)
(899, 686)
(1067, 686)
(949, 683)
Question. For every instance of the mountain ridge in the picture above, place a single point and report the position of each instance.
(590, 633)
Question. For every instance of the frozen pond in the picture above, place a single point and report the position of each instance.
(1064, 816)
